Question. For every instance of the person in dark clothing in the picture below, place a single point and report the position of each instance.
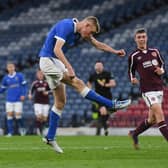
(103, 82)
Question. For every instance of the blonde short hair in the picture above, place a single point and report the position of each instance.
(94, 21)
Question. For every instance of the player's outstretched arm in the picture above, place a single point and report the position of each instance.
(102, 46)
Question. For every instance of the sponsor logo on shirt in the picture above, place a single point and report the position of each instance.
(147, 64)
(14, 85)
(41, 89)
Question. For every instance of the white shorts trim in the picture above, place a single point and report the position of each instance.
(154, 97)
(53, 70)
(41, 109)
(16, 107)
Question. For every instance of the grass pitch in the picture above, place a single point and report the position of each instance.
(83, 152)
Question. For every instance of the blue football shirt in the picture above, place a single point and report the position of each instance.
(64, 30)
(15, 85)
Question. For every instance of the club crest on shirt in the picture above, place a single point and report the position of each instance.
(139, 57)
(154, 62)
(154, 54)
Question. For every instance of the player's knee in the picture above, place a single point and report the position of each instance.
(10, 114)
(9, 117)
(151, 121)
(38, 118)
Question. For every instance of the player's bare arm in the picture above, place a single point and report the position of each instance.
(110, 84)
(30, 96)
(59, 53)
(102, 46)
(22, 98)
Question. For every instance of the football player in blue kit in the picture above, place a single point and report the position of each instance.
(58, 70)
(15, 85)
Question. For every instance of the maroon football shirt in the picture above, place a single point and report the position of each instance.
(145, 62)
(37, 89)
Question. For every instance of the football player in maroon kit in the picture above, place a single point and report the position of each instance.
(40, 92)
(150, 67)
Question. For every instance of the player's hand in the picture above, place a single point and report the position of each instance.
(29, 96)
(22, 98)
(134, 81)
(159, 71)
(71, 72)
(45, 93)
(121, 52)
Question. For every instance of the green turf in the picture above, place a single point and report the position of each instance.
(83, 152)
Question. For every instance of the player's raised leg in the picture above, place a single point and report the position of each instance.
(92, 95)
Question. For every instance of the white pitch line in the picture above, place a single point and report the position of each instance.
(71, 147)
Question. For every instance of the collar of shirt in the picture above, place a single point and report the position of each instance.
(75, 21)
(143, 51)
(41, 81)
(11, 76)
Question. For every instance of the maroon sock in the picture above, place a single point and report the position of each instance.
(144, 125)
(38, 124)
(163, 129)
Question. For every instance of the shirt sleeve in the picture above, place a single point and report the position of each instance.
(32, 88)
(23, 83)
(48, 88)
(3, 86)
(110, 75)
(131, 67)
(64, 28)
(91, 78)
(160, 60)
